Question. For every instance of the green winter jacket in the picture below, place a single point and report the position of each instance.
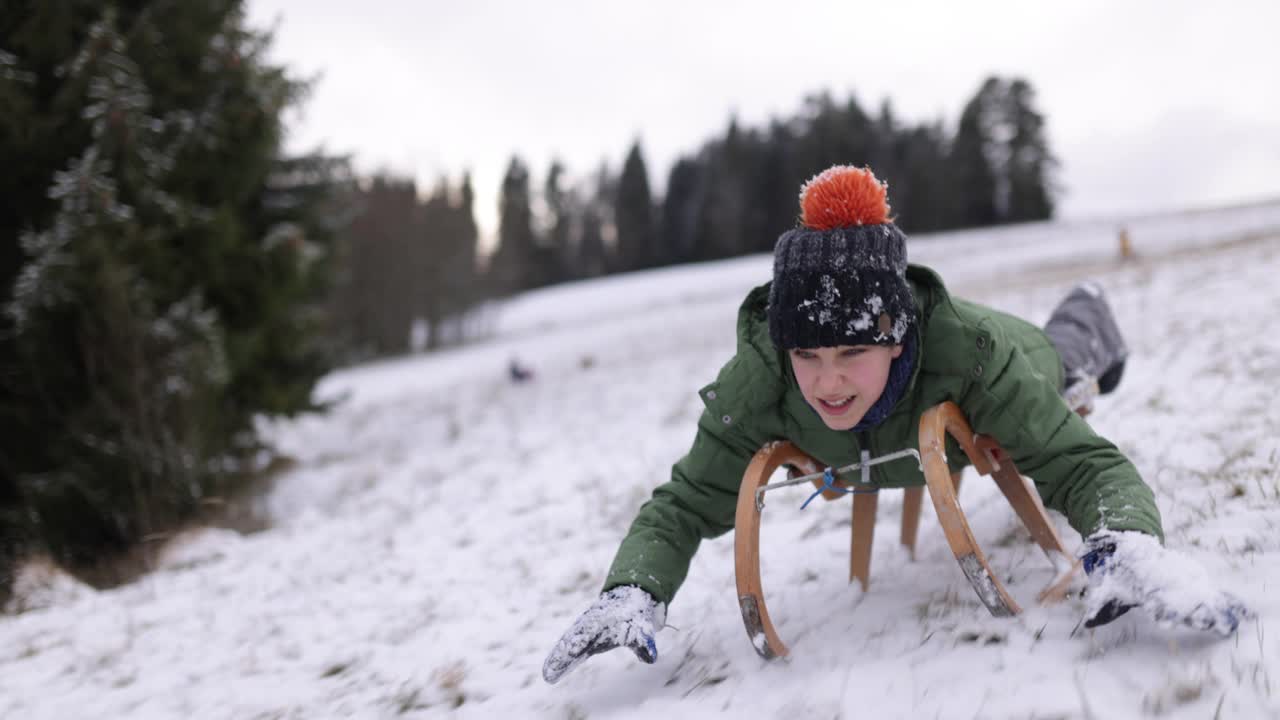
(1001, 371)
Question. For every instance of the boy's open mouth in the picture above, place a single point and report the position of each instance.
(836, 407)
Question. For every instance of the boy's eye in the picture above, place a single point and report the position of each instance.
(851, 352)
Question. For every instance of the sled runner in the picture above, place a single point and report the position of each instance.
(987, 457)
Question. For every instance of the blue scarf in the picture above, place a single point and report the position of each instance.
(899, 378)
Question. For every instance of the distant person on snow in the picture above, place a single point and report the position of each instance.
(844, 350)
(518, 372)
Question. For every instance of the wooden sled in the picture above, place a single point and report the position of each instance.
(987, 457)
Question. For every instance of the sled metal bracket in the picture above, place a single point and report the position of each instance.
(864, 478)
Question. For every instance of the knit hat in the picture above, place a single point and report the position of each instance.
(840, 277)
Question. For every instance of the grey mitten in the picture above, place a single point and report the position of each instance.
(624, 616)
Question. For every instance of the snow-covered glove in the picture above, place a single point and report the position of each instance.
(1132, 569)
(624, 616)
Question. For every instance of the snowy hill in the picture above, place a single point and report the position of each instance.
(443, 526)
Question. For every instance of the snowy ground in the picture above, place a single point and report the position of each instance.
(443, 526)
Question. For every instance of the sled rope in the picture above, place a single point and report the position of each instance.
(828, 480)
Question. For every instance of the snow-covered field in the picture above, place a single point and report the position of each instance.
(443, 526)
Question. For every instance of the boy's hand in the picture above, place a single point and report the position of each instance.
(625, 615)
(1131, 569)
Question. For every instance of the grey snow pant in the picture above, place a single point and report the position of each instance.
(1085, 334)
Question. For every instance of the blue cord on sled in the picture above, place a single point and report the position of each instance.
(828, 483)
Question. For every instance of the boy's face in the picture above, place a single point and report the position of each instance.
(843, 382)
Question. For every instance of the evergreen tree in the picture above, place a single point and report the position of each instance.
(886, 155)
(781, 176)
(462, 291)
(380, 298)
(468, 238)
(554, 250)
(743, 160)
(457, 294)
(859, 142)
(1030, 163)
(162, 265)
(594, 256)
(831, 134)
(514, 259)
(1001, 158)
(722, 222)
(971, 173)
(633, 213)
(922, 189)
(407, 269)
(436, 267)
(680, 210)
(772, 195)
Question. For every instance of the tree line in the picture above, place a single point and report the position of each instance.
(731, 197)
(169, 273)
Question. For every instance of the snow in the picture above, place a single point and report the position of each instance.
(442, 527)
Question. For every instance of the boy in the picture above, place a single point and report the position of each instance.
(843, 351)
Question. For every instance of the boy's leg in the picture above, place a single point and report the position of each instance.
(1084, 331)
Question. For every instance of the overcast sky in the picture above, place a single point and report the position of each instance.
(1150, 105)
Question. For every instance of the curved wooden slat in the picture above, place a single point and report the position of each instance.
(746, 544)
(935, 424)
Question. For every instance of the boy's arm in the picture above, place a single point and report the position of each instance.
(698, 502)
(1076, 472)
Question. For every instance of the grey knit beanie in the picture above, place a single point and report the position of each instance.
(840, 278)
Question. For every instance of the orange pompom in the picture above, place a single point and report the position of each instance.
(841, 196)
